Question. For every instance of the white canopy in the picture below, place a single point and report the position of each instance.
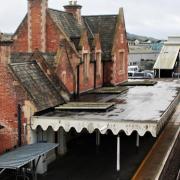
(167, 57)
(141, 109)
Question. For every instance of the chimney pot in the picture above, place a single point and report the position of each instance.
(74, 9)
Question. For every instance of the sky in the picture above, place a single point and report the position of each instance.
(154, 18)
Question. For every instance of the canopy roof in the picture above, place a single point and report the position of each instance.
(140, 109)
(25, 154)
(167, 57)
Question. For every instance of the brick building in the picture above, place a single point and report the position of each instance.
(56, 54)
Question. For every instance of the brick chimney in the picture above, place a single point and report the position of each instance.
(37, 10)
(75, 9)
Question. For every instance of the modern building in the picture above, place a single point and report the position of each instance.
(168, 61)
(140, 56)
(143, 52)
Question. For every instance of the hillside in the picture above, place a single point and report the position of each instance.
(141, 38)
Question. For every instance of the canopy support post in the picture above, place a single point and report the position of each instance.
(34, 168)
(118, 153)
(2, 171)
(137, 142)
(62, 142)
(98, 138)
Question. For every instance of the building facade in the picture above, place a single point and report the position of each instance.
(54, 56)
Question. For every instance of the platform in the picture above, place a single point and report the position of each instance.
(152, 166)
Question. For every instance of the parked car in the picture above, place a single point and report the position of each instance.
(151, 72)
(176, 75)
(140, 75)
(132, 70)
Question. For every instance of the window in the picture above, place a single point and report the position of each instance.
(63, 76)
(98, 64)
(121, 61)
(122, 38)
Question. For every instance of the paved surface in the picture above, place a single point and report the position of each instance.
(152, 166)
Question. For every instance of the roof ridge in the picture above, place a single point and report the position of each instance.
(100, 15)
(59, 11)
(83, 15)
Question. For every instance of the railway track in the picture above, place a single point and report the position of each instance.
(159, 159)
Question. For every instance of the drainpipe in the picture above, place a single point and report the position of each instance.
(19, 125)
(93, 58)
(78, 77)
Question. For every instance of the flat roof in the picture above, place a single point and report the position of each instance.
(140, 109)
(25, 154)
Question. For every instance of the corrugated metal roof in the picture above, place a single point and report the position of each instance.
(25, 154)
(167, 57)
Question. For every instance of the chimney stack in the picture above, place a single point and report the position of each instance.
(75, 9)
(37, 10)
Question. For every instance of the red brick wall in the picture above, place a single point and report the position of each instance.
(108, 72)
(64, 71)
(21, 38)
(99, 79)
(52, 36)
(86, 83)
(116, 71)
(8, 103)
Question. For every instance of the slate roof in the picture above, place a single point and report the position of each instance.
(67, 22)
(26, 57)
(40, 89)
(104, 25)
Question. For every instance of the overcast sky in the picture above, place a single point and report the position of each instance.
(155, 18)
